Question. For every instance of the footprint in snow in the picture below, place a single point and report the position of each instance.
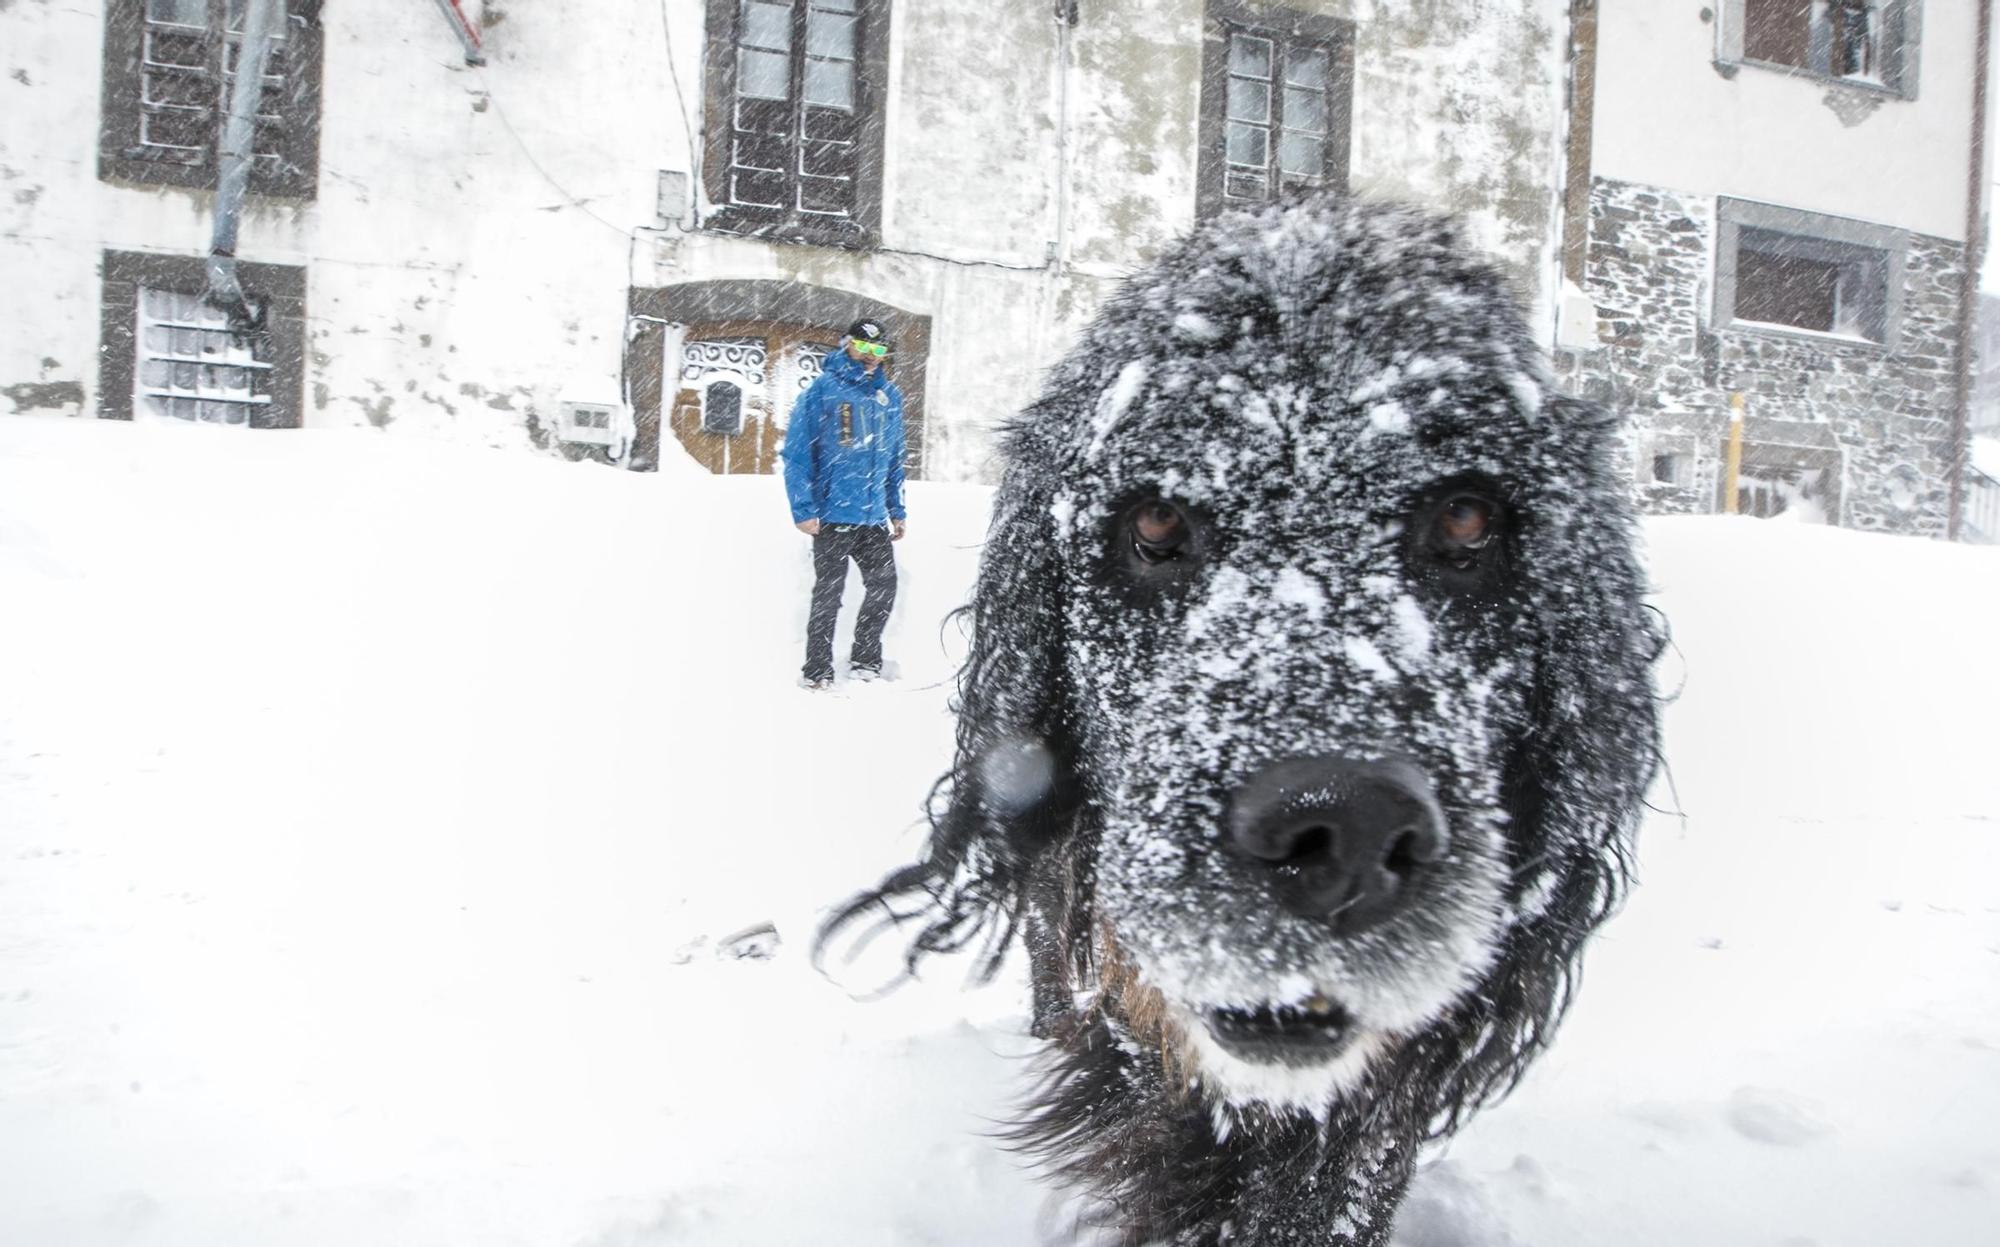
(1766, 1115)
(753, 943)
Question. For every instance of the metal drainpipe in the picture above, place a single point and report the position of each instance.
(1066, 15)
(235, 156)
(1968, 295)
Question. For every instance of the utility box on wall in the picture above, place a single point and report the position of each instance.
(589, 424)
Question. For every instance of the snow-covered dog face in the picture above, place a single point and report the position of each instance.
(1310, 678)
(1302, 639)
(1309, 531)
(1299, 713)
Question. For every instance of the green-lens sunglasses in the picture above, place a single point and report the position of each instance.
(878, 349)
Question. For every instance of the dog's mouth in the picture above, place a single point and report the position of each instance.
(1309, 1033)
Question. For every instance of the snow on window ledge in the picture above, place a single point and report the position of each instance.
(1778, 329)
(1867, 85)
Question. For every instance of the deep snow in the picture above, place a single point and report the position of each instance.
(371, 812)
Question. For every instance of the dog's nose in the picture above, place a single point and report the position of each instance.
(1340, 838)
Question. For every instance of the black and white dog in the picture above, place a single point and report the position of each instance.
(1305, 728)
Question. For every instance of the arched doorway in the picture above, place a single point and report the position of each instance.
(713, 367)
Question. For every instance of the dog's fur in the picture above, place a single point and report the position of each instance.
(1306, 383)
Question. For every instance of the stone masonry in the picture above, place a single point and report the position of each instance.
(1872, 422)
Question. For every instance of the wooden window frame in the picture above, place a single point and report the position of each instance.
(1902, 51)
(861, 230)
(1223, 19)
(1818, 237)
(121, 155)
(280, 287)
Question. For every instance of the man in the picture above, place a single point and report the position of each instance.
(844, 479)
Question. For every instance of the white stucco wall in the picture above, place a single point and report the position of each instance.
(1666, 117)
(1461, 106)
(450, 284)
(476, 230)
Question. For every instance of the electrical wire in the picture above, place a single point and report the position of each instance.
(561, 188)
(680, 104)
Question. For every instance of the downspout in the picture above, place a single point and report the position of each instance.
(1066, 15)
(468, 34)
(235, 156)
(1968, 295)
(1582, 90)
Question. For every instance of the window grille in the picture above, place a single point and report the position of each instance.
(809, 360)
(169, 67)
(183, 98)
(191, 366)
(742, 358)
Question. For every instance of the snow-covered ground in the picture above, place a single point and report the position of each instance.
(372, 812)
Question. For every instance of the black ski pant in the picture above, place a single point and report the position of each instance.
(868, 546)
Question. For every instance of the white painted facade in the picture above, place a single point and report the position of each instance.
(1666, 117)
(476, 230)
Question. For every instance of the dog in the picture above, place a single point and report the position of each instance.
(1305, 728)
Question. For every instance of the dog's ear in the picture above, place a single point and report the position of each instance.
(1578, 779)
(1009, 794)
(1594, 742)
(1595, 739)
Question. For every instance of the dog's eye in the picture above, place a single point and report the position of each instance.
(1465, 525)
(1466, 522)
(1160, 531)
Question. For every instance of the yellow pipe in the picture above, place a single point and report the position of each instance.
(1735, 464)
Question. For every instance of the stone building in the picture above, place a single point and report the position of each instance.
(633, 235)
(1778, 206)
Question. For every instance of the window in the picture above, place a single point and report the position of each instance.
(192, 367)
(167, 75)
(722, 409)
(1277, 94)
(1670, 469)
(1867, 42)
(794, 100)
(167, 354)
(1779, 268)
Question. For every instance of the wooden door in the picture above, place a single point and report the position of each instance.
(736, 386)
(1766, 492)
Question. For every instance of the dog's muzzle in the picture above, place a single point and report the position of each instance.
(1340, 841)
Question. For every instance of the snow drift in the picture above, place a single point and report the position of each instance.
(375, 818)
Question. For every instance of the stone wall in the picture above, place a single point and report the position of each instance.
(1872, 421)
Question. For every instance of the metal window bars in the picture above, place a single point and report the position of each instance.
(184, 77)
(192, 367)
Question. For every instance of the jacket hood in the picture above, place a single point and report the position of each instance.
(841, 365)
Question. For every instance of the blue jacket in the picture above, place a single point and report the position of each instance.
(844, 447)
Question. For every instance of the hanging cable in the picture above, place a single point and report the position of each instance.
(680, 103)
